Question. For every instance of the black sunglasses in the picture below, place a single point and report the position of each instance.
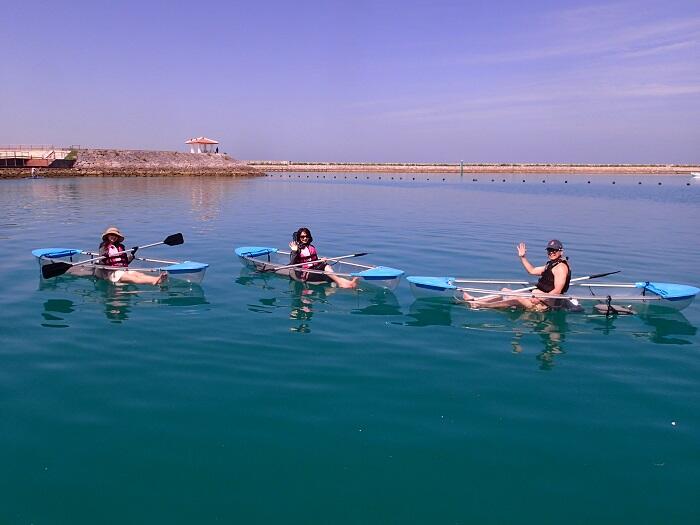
(553, 250)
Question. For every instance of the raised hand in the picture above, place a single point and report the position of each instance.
(522, 249)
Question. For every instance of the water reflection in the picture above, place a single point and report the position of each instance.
(55, 311)
(117, 302)
(304, 300)
(430, 313)
(301, 306)
(376, 301)
(550, 327)
(665, 327)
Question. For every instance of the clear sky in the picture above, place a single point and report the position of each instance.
(366, 81)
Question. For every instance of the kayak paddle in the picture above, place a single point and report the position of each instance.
(322, 259)
(528, 288)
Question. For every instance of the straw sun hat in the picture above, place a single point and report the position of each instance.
(115, 231)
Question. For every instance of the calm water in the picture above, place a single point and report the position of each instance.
(248, 400)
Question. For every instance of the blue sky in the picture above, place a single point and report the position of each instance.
(381, 81)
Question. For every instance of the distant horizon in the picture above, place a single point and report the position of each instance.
(370, 82)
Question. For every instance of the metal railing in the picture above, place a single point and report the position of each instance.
(35, 151)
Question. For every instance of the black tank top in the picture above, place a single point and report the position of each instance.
(546, 282)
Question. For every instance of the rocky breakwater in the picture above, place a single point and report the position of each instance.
(158, 163)
(143, 163)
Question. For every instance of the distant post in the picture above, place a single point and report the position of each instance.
(461, 168)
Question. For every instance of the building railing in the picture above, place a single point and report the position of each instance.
(35, 151)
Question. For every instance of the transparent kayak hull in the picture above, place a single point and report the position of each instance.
(187, 271)
(272, 260)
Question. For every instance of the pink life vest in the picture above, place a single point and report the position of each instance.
(307, 254)
(112, 259)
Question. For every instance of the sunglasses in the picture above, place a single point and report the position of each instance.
(553, 250)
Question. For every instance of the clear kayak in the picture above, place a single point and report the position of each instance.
(636, 297)
(271, 260)
(76, 262)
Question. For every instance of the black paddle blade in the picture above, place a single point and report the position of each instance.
(604, 274)
(55, 269)
(174, 239)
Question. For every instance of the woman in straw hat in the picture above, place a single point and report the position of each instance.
(116, 257)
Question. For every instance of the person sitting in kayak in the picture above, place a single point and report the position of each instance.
(116, 257)
(555, 277)
(314, 272)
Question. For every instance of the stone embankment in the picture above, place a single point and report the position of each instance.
(588, 169)
(141, 163)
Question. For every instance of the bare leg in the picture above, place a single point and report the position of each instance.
(342, 282)
(132, 276)
(502, 302)
(485, 300)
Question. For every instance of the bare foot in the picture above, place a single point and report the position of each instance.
(349, 284)
(467, 297)
(161, 278)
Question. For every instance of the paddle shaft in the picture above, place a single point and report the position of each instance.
(346, 262)
(488, 281)
(322, 259)
(528, 288)
(144, 258)
(524, 294)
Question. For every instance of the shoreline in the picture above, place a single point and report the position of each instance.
(152, 163)
(50, 173)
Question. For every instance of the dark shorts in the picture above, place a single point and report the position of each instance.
(561, 305)
(312, 277)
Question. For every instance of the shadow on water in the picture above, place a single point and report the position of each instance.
(117, 301)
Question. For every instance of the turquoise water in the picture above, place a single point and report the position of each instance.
(249, 399)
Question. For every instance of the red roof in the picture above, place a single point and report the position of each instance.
(201, 140)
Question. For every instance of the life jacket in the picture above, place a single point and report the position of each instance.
(114, 260)
(307, 254)
(546, 281)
